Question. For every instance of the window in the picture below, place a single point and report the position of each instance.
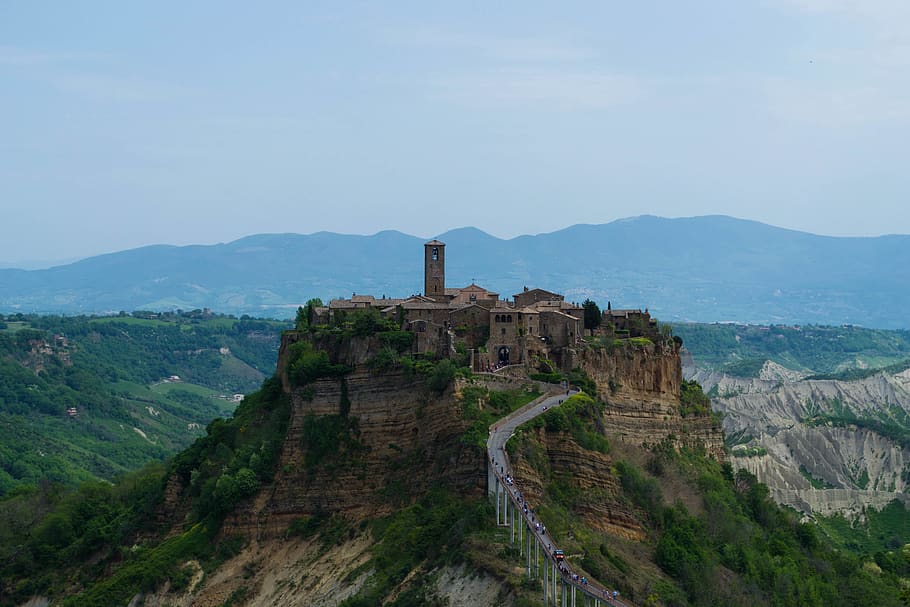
(435, 253)
(509, 318)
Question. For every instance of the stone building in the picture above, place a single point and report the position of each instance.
(497, 332)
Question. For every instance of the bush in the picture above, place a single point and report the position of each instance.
(399, 341)
(306, 364)
(441, 376)
(324, 436)
(692, 400)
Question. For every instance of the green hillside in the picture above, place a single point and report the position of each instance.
(86, 398)
(711, 536)
(741, 350)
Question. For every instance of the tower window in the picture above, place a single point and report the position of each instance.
(435, 253)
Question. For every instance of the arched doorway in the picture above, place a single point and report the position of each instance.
(504, 355)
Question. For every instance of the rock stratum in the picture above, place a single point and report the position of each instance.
(640, 385)
(405, 438)
(822, 446)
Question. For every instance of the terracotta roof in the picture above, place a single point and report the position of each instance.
(424, 306)
(544, 291)
(469, 305)
(558, 313)
(622, 313)
(551, 303)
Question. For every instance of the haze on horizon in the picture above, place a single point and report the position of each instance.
(125, 125)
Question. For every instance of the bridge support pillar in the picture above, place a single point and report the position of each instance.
(521, 537)
(492, 481)
(555, 574)
(528, 551)
(546, 582)
(511, 522)
(496, 494)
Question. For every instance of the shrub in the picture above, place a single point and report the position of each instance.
(441, 376)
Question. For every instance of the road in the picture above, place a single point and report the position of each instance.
(500, 433)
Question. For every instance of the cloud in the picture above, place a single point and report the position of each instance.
(540, 89)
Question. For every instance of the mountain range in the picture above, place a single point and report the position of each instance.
(702, 269)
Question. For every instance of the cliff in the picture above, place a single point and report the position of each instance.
(361, 445)
(600, 503)
(821, 446)
(640, 384)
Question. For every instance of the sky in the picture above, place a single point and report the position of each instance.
(124, 124)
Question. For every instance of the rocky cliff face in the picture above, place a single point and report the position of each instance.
(396, 428)
(640, 384)
(391, 437)
(600, 504)
(796, 436)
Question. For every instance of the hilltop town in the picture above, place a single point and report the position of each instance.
(535, 324)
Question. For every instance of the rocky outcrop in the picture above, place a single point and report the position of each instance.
(796, 436)
(640, 384)
(600, 503)
(394, 438)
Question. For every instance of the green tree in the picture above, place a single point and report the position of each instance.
(592, 314)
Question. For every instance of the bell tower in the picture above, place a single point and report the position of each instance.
(434, 269)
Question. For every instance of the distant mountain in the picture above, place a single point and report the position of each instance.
(702, 269)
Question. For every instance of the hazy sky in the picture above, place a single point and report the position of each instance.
(198, 122)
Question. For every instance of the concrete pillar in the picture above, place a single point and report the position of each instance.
(511, 522)
(564, 592)
(555, 574)
(529, 551)
(521, 542)
(573, 596)
(546, 584)
(536, 557)
(497, 502)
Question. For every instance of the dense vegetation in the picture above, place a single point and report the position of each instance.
(422, 536)
(47, 530)
(729, 545)
(742, 349)
(732, 545)
(107, 371)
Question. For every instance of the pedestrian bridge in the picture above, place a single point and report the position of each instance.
(560, 584)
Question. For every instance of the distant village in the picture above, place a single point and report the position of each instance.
(534, 324)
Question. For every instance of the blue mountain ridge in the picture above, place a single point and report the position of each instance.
(706, 269)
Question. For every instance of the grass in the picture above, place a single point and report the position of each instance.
(129, 320)
(14, 326)
(885, 529)
(167, 388)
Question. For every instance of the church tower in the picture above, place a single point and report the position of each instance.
(434, 269)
